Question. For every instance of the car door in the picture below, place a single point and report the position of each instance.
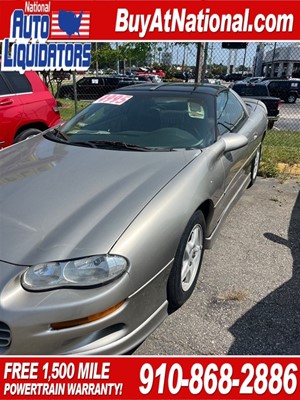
(11, 112)
(110, 84)
(232, 117)
(83, 89)
(89, 88)
(275, 89)
(35, 107)
(96, 87)
(295, 87)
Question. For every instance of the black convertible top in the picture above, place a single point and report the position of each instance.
(174, 87)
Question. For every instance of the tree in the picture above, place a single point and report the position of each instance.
(134, 53)
(104, 55)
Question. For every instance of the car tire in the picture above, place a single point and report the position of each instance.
(187, 262)
(291, 98)
(255, 166)
(270, 124)
(27, 133)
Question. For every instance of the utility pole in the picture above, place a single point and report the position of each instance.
(97, 63)
(199, 63)
(118, 61)
(229, 61)
(273, 59)
(211, 57)
(244, 61)
(204, 64)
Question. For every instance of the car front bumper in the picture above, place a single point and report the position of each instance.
(26, 317)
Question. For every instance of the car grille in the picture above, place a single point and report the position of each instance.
(5, 336)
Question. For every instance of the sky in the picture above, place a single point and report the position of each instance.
(217, 54)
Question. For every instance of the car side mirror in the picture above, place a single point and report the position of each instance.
(234, 141)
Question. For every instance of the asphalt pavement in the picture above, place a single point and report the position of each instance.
(247, 299)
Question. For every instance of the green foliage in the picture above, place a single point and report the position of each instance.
(268, 168)
(67, 107)
(134, 52)
(217, 69)
(282, 146)
(279, 147)
(169, 70)
(105, 55)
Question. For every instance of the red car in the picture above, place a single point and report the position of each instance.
(26, 107)
(145, 71)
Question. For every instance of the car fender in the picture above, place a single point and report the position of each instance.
(151, 240)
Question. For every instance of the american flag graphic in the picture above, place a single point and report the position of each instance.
(84, 28)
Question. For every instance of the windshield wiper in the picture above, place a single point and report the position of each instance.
(56, 133)
(116, 145)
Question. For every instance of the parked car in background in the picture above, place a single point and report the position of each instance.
(213, 81)
(26, 107)
(274, 78)
(252, 79)
(233, 77)
(151, 71)
(155, 78)
(61, 75)
(143, 78)
(260, 91)
(287, 90)
(148, 78)
(117, 206)
(91, 88)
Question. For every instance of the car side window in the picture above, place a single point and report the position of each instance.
(111, 81)
(84, 81)
(230, 112)
(273, 85)
(4, 90)
(18, 82)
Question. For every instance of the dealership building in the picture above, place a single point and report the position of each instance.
(282, 61)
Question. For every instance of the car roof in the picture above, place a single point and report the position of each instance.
(281, 80)
(249, 83)
(183, 88)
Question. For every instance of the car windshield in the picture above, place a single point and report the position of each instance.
(149, 120)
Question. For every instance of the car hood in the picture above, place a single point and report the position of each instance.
(59, 201)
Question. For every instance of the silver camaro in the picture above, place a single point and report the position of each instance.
(104, 219)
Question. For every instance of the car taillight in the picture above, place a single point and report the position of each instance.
(279, 104)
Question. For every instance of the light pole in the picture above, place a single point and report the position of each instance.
(272, 62)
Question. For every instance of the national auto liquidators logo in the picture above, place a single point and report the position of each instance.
(70, 24)
(33, 33)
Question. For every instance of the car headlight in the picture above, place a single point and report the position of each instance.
(80, 273)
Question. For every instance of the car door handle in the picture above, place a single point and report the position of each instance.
(6, 102)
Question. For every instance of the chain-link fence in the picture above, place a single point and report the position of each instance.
(267, 71)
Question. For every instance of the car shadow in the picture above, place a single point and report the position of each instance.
(272, 326)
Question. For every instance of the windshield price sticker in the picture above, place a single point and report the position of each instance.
(219, 379)
(116, 99)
